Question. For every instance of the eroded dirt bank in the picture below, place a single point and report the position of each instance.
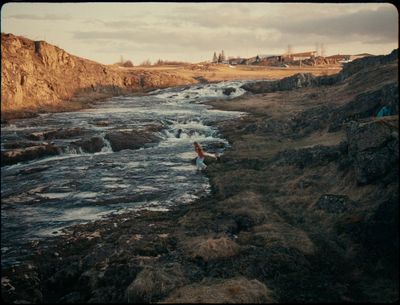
(304, 209)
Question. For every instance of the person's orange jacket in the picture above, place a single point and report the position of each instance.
(199, 151)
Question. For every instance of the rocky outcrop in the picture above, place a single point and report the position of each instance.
(298, 80)
(36, 75)
(365, 105)
(374, 149)
(368, 62)
(312, 156)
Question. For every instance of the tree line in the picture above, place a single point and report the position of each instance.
(220, 58)
(147, 62)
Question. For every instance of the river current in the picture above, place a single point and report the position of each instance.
(42, 196)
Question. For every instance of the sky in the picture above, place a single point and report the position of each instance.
(192, 32)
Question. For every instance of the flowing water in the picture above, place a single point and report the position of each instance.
(42, 196)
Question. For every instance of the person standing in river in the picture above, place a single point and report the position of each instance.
(200, 156)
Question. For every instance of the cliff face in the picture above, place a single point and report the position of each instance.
(36, 74)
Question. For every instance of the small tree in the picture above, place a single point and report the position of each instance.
(215, 58)
(223, 56)
(128, 64)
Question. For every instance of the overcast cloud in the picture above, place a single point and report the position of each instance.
(193, 31)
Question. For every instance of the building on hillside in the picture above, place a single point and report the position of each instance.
(299, 56)
(339, 58)
(346, 58)
(236, 61)
(250, 61)
(274, 59)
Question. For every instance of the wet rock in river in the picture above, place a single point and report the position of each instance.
(91, 145)
(102, 123)
(19, 144)
(134, 139)
(26, 154)
(61, 133)
(229, 90)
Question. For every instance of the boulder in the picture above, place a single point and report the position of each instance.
(26, 154)
(229, 90)
(298, 80)
(102, 123)
(373, 148)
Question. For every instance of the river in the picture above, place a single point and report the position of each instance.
(42, 196)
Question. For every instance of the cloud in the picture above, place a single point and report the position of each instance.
(379, 24)
(333, 22)
(183, 39)
(52, 17)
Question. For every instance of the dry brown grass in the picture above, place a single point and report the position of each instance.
(209, 247)
(153, 282)
(240, 72)
(245, 204)
(285, 235)
(235, 290)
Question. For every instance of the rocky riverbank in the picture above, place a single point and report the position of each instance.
(39, 77)
(304, 208)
